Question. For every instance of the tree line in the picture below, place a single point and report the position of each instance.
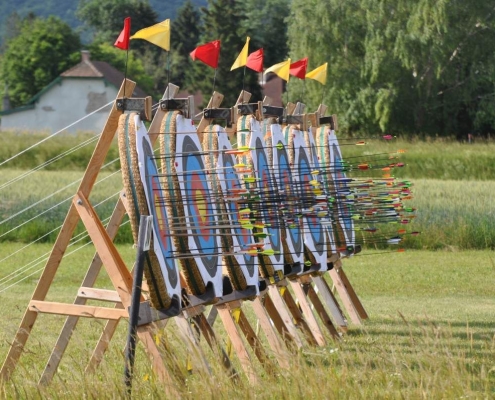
(395, 66)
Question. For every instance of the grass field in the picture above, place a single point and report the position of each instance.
(430, 335)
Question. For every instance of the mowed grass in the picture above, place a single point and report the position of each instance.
(430, 335)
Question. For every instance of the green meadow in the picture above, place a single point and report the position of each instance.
(430, 331)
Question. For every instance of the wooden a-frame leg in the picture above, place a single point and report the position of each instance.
(352, 294)
(331, 302)
(276, 307)
(320, 309)
(237, 343)
(309, 317)
(189, 337)
(298, 316)
(344, 296)
(277, 347)
(209, 334)
(88, 281)
(255, 343)
(121, 279)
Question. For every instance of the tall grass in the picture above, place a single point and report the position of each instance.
(46, 215)
(14, 142)
(430, 158)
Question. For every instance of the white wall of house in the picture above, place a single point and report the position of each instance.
(63, 104)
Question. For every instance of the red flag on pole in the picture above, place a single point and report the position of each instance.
(122, 41)
(298, 68)
(207, 53)
(255, 61)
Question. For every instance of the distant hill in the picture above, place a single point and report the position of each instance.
(65, 10)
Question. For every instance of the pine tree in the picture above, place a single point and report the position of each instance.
(186, 30)
(222, 20)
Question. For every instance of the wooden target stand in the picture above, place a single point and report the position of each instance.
(106, 255)
(269, 307)
(280, 305)
(229, 309)
(302, 284)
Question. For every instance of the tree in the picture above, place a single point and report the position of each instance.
(186, 30)
(118, 58)
(221, 20)
(106, 19)
(415, 67)
(43, 49)
(266, 23)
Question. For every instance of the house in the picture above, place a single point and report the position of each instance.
(77, 92)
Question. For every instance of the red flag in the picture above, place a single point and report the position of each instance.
(208, 53)
(122, 41)
(255, 60)
(298, 68)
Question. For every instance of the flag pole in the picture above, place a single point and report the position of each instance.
(287, 91)
(214, 79)
(168, 68)
(125, 69)
(243, 79)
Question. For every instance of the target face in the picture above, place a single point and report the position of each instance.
(197, 196)
(286, 184)
(313, 223)
(159, 214)
(266, 185)
(231, 182)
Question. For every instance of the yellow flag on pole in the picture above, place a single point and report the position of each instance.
(319, 74)
(281, 69)
(242, 57)
(158, 34)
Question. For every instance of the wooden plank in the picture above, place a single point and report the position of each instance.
(276, 346)
(201, 322)
(77, 310)
(281, 308)
(331, 302)
(154, 129)
(98, 294)
(352, 294)
(237, 343)
(88, 281)
(145, 334)
(278, 322)
(215, 101)
(344, 296)
(290, 107)
(309, 317)
(255, 343)
(322, 313)
(298, 317)
(322, 109)
(117, 271)
(299, 109)
(64, 236)
(102, 345)
(243, 98)
(189, 337)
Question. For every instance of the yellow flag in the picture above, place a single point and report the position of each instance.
(319, 74)
(281, 69)
(158, 34)
(242, 57)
